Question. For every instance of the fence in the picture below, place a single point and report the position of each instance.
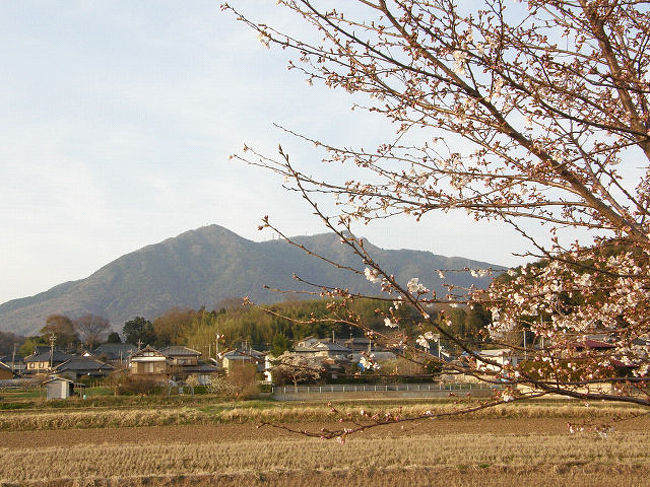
(432, 388)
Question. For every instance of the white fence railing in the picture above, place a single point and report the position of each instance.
(397, 387)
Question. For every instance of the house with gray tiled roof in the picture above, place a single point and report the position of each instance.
(44, 361)
(78, 367)
(237, 356)
(202, 371)
(148, 361)
(180, 355)
(321, 348)
(176, 362)
(115, 353)
(14, 362)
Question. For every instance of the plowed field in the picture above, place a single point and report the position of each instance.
(506, 451)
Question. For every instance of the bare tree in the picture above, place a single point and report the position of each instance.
(92, 329)
(62, 329)
(551, 99)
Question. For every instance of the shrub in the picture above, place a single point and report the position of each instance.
(241, 382)
(130, 385)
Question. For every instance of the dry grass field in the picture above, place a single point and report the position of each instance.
(523, 445)
(107, 417)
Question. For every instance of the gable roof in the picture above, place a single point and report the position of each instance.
(83, 363)
(58, 379)
(319, 346)
(494, 352)
(307, 341)
(147, 351)
(591, 343)
(201, 368)
(239, 354)
(331, 347)
(180, 351)
(57, 357)
(114, 351)
(7, 359)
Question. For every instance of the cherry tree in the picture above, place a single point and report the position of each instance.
(295, 369)
(551, 102)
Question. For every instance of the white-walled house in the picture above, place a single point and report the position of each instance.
(500, 356)
(148, 361)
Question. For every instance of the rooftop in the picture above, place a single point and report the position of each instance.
(180, 351)
(58, 356)
(83, 363)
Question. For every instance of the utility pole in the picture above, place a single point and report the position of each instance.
(13, 360)
(52, 340)
(525, 351)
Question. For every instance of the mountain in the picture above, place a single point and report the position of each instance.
(210, 264)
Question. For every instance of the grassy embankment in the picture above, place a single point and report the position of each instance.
(200, 412)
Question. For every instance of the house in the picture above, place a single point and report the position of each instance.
(181, 356)
(500, 356)
(307, 342)
(378, 356)
(44, 359)
(15, 363)
(239, 356)
(177, 362)
(336, 367)
(59, 388)
(321, 348)
(590, 343)
(305, 368)
(358, 344)
(115, 353)
(5, 372)
(78, 367)
(148, 361)
(183, 362)
(203, 372)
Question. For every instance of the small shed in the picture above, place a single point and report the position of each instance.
(59, 388)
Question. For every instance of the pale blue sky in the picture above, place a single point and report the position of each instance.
(118, 118)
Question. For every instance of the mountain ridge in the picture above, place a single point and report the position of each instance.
(206, 265)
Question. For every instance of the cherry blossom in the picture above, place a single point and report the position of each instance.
(553, 134)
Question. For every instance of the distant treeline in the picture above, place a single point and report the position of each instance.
(274, 327)
(10, 340)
